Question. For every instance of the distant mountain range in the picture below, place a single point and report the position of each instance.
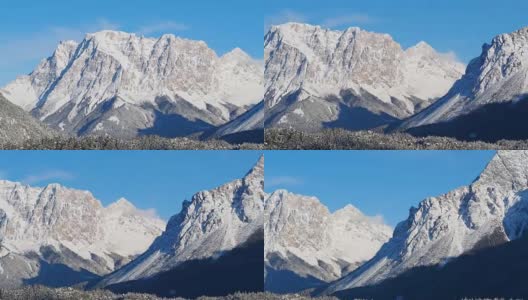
(58, 236)
(318, 78)
(307, 246)
(123, 85)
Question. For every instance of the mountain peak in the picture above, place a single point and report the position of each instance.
(349, 209)
(422, 47)
(121, 204)
(236, 54)
(113, 35)
(257, 169)
(507, 169)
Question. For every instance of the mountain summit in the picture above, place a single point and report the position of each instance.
(352, 78)
(126, 85)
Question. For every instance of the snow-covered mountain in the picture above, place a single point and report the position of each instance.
(315, 77)
(490, 211)
(69, 231)
(498, 75)
(17, 126)
(302, 237)
(211, 223)
(125, 85)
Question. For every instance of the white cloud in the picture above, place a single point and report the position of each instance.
(352, 19)
(161, 27)
(48, 175)
(450, 55)
(149, 213)
(282, 17)
(282, 181)
(377, 219)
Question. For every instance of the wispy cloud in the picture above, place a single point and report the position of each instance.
(377, 219)
(450, 55)
(348, 20)
(162, 27)
(149, 213)
(3, 174)
(282, 181)
(48, 175)
(282, 17)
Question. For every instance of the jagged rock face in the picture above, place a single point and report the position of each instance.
(499, 75)
(58, 225)
(212, 222)
(490, 211)
(303, 237)
(17, 126)
(121, 84)
(354, 68)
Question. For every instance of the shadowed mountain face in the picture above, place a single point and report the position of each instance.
(249, 136)
(492, 272)
(237, 270)
(490, 123)
(60, 275)
(286, 281)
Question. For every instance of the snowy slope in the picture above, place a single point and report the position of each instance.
(253, 119)
(302, 236)
(490, 211)
(119, 83)
(357, 67)
(212, 222)
(55, 224)
(499, 75)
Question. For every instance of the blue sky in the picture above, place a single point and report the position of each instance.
(458, 26)
(31, 29)
(385, 183)
(149, 179)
